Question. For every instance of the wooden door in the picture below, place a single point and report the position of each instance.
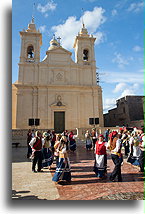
(59, 121)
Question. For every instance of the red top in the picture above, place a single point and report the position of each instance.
(38, 144)
(71, 136)
(100, 148)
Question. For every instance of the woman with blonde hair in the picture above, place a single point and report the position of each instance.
(46, 151)
(56, 148)
(88, 140)
(135, 150)
(62, 172)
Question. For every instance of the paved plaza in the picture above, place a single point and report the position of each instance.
(84, 186)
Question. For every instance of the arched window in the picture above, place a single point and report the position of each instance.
(85, 54)
(30, 51)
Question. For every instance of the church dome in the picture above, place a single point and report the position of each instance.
(53, 43)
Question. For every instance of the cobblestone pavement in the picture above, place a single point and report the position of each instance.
(84, 185)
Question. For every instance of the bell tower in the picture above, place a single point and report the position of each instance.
(85, 56)
(31, 41)
(84, 48)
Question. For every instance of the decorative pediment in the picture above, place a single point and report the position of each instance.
(58, 104)
(59, 50)
(57, 55)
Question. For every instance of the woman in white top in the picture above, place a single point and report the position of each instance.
(115, 147)
(62, 172)
(88, 140)
(135, 150)
(100, 166)
(46, 151)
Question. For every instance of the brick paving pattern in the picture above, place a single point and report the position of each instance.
(124, 196)
(84, 186)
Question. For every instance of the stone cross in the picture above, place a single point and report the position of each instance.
(59, 40)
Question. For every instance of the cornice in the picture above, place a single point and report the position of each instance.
(18, 85)
(30, 33)
(72, 64)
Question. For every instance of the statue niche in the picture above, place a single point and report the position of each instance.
(59, 103)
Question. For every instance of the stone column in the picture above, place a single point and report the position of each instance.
(100, 107)
(19, 111)
(35, 103)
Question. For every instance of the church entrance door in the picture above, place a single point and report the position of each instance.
(59, 121)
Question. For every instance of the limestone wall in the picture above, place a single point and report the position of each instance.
(20, 135)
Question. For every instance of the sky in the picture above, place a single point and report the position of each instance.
(123, 34)
(116, 24)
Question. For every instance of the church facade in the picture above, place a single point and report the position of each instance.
(61, 93)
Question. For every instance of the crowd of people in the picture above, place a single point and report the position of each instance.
(49, 148)
(120, 143)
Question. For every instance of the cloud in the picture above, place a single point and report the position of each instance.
(136, 7)
(141, 70)
(123, 77)
(50, 6)
(120, 4)
(46, 15)
(120, 60)
(119, 87)
(93, 19)
(100, 36)
(67, 31)
(125, 90)
(71, 26)
(109, 103)
(114, 12)
(137, 48)
(129, 90)
(42, 28)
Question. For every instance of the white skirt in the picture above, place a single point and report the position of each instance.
(99, 161)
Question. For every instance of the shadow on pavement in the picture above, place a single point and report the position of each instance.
(126, 178)
(16, 195)
(19, 155)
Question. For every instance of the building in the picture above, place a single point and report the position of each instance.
(129, 112)
(62, 93)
